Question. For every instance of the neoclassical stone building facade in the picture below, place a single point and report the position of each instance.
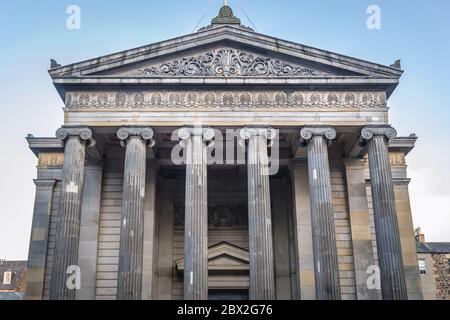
(318, 200)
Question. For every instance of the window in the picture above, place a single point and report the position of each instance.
(422, 266)
(7, 275)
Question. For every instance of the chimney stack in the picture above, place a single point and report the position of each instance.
(420, 237)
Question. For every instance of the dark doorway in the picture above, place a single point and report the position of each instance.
(226, 294)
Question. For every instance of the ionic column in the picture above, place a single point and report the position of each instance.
(322, 219)
(393, 285)
(196, 212)
(136, 140)
(68, 225)
(262, 278)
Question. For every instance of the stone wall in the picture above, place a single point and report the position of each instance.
(428, 279)
(343, 232)
(109, 233)
(441, 271)
(372, 231)
(51, 240)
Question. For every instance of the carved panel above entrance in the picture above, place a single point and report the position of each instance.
(219, 216)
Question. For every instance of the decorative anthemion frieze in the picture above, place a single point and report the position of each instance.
(397, 159)
(228, 62)
(50, 160)
(225, 100)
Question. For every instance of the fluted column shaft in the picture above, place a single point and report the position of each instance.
(393, 283)
(262, 276)
(196, 212)
(129, 285)
(68, 223)
(322, 218)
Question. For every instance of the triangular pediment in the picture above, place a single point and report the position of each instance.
(224, 52)
(224, 256)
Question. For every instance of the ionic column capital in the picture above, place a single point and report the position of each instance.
(84, 134)
(307, 133)
(266, 132)
(145, 133)
(206, 133)
(368, 132)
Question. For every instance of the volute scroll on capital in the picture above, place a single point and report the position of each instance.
(145, 133)
(306, 134)
(248, 132)
(367, 133)
(208, 134)
(84, 134)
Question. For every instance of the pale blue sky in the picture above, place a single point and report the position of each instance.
(32, 32)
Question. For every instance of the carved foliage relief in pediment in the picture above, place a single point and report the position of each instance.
(227, 62)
